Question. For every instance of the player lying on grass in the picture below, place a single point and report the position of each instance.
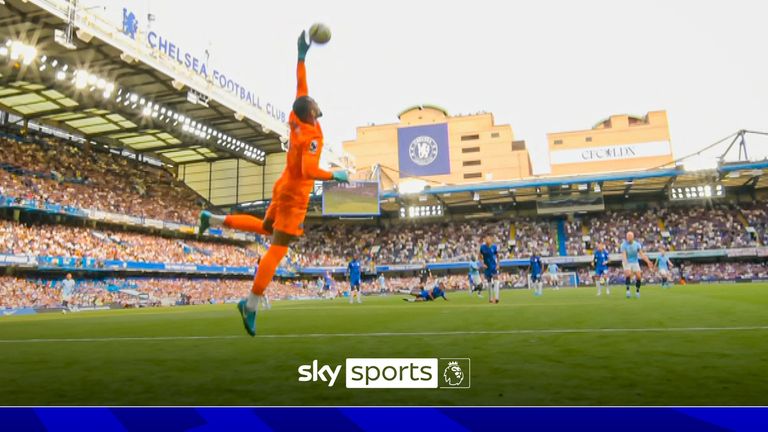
(632, 252)
(284, 219)
(428, 295)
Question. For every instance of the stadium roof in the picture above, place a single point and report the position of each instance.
(101, 90)
(626, 185)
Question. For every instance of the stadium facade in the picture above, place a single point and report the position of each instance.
(429, 144)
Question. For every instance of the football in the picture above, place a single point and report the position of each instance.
(320, 33)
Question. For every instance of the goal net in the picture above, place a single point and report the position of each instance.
(559, 280)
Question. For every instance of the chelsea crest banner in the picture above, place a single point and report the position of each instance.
(423, 150)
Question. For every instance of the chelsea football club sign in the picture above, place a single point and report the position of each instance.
(423, 150)
(199, 66)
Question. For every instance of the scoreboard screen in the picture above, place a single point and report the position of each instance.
(351, 199)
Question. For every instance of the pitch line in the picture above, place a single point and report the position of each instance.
(391, 334)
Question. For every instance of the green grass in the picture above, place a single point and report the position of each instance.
(699, 362)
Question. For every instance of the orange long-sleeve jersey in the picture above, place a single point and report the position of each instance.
(303, 160)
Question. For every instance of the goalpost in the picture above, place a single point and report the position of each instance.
(564, 280)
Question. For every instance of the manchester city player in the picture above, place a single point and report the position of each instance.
(632, 252)
(663, 263)
(490, 255)
(475, 281)
(600, 262)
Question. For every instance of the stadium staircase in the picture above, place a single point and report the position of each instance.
(745, 223)
(585, 232)
(663, 227)
(561, 238)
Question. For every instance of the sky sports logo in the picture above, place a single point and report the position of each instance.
(392, 373)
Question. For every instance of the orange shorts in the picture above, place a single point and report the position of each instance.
(286, 218)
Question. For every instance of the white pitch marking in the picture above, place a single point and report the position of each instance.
(395, 334)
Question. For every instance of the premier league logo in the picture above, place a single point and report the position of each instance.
(130, 23)
(453, 375)
(423, 150)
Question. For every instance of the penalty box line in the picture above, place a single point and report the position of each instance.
(391, 334)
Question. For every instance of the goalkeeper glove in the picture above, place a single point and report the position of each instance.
(341, 176)
(303, 46)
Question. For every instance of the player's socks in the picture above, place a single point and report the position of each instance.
(252, 301)
(244, 223)
(268, 267)
(351, 296)
(264, 301)
(637, 288)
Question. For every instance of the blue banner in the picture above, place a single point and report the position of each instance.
(423, 150)
(384, 419)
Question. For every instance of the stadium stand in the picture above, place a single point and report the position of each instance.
(49, 170)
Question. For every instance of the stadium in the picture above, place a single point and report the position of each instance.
(114, 141)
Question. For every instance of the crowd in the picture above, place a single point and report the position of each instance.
(682, 228)
(68, 241)
(406, 243)
(49, 171)
(16, 292)
(702, 228)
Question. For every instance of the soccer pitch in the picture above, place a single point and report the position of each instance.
(692, 345)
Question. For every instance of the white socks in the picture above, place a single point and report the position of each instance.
(265, 304)
(216, 220)
(252, 302)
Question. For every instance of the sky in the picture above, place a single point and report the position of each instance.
(540, 66)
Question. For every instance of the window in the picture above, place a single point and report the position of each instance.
(470, 150)
(588, 139)
(558, 142)
(472, 175)
(518, 145)
(470, 137)
(471, 163)
(495, 135)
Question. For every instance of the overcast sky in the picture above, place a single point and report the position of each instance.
(540, 66)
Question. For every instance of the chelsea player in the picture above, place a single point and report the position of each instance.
(535, 268)
(490, 255)
(353, 271)
(600, 262)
